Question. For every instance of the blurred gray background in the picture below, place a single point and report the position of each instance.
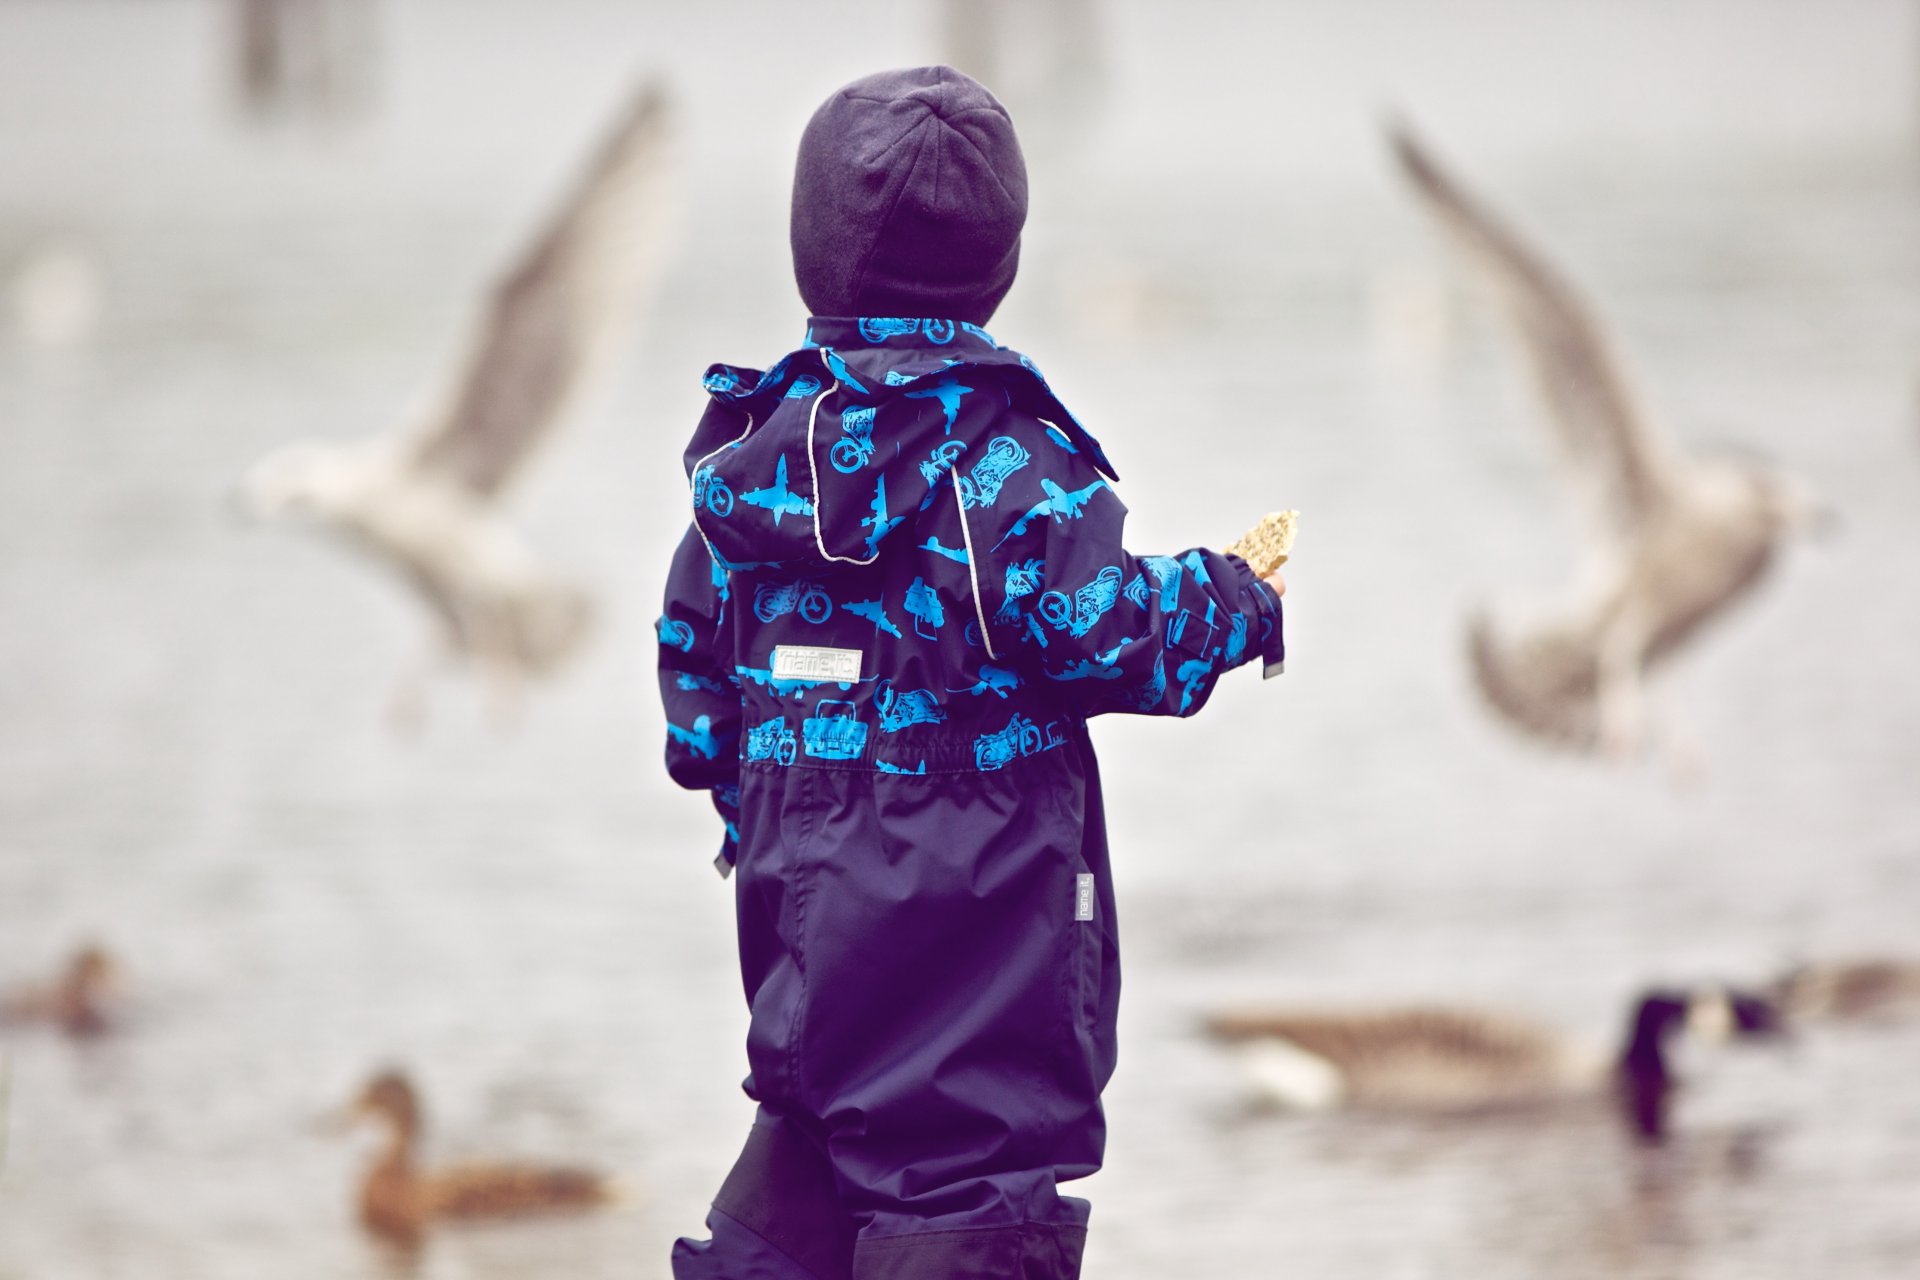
(1226, 280)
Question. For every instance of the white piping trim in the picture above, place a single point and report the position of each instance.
(813, 476)
(692, 481)
(973, 568)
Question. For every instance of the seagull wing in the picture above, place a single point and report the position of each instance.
(1600, 427)
(558, 310)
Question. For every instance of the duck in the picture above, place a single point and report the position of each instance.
(1859, 989)
(399, 1200)
(1443, 1060)
(76, 1002)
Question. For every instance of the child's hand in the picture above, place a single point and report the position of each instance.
(1278, 583)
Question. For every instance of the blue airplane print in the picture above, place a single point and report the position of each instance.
(675, 633)
(1076, 615)
(1087, 669)
(923, 605)
(948, 392)
(854, 449)
(700, 738)
(874, 611)
(777, 497)
(722, 587)
(900, 709)
(781, 686)
(1058, 503)
(772, 740)
(980, 487)
(843, 375)
(1191, 675)
(884, 767)
(1023, 580)
(1147, 694)
(1197, 566)
(878, 521)
(690, 682)
(803, 386)
(956, 554)
(937, 465)
(995, 680)
(1237, 638)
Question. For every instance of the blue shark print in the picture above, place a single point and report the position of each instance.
(1087, 606)
(700, 738)
(843, 375)
(956, 554)
(898, 710)
(948, 392)
(677, 634)
(1197, 566)
(874, 611)
(689, 681)
(854, 449)
(717, 575)
(803, 386)
(878, 521)
(884, 767)
(772, 740)
(1059, 504)
(995, 680)
(923, 603)
(778, 599)
(980, 487)
(778, 498)
(833, 732)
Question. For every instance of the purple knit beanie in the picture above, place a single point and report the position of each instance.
(908, 199)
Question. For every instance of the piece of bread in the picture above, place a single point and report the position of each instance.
(1266, 546)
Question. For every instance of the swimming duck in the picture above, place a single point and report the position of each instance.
(76, 1002)
(1439, 1059)
(398, 1200)
(1862, 989)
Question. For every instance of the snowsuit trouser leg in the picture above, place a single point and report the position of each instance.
(933, 987)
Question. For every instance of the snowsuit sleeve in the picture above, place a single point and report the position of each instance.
(698, 686)
(1149, 635)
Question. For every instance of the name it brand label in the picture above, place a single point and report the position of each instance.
(1083, 897)
(804, 662)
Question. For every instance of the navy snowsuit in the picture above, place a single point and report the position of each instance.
(902, 597)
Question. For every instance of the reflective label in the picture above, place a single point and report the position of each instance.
(1083, 897)
(804, 662)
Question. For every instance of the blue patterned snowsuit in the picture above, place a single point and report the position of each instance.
(925, 916)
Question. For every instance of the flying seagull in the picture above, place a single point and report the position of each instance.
(426, 501)
(1680, 537)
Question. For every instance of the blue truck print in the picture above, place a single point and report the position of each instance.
(834, 731)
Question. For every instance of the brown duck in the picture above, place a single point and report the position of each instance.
(399, 1200)
(75, 1002)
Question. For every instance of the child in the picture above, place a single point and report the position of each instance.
(902, 597)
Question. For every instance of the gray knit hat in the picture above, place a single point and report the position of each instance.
(908, 199)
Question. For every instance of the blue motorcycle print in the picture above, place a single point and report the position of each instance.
(834, 732)
(980, 487)
(898, 710)
(711, 492)
(772, 740)
(853, 450)
(1087, 605)
(1021, 737)
(776, 600)
(880, 328)
(677, 634)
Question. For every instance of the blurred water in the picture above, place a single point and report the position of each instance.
(1224, 280)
